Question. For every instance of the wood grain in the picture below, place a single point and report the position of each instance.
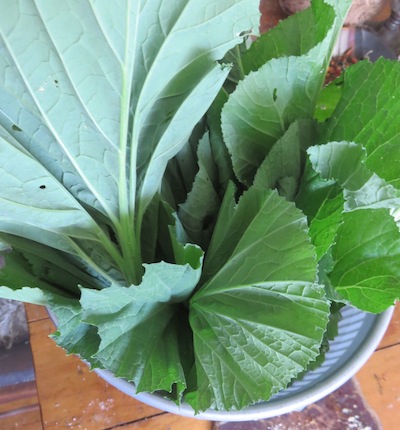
(19, 407)
(34, 312)
(168, 422)
(73, 397)
(27, 418)
(392, 335)
(379, 379)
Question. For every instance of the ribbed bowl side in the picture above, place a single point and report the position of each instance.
(359, 335)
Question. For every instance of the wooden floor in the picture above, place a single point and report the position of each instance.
(68, 396)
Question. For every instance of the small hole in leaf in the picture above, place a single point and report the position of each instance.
(42, 187)
(15, 127)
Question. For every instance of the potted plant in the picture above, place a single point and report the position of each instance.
(193, 210)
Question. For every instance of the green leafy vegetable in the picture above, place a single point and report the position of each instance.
(366, 259)
(167, 192)
(260, 289)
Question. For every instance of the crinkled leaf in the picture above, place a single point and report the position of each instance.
(269, 99)
(366, 257)
(262, 230)
(246, 354)
(364, 115)
(243, 357)
(359, 269)
(75, 336)
(345, 162)
(134, 324)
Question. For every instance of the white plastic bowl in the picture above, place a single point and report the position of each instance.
(359, 335)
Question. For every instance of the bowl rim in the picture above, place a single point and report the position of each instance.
(294, 402)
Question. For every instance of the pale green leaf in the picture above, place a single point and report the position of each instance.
(105, 105)
(345, 162)
(31, 196)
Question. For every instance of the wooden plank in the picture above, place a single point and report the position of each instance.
(27, 418)
(19, 407)
(392, 335)
(168, 422)
(18, 396)
(379, 380)
(73, 397)
(35, 312)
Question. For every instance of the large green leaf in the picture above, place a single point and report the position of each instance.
(105, 105)
(259, 319)
(134, 325)
(279, 92)
(75, 336)
(31, 195)
(262, 229)
(364, 115)
(366, 260)
(345, 162)
(351, 227)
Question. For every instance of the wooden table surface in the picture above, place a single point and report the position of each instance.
(72, 397)
(68, 396)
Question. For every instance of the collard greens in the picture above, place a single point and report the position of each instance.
(168, 193)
